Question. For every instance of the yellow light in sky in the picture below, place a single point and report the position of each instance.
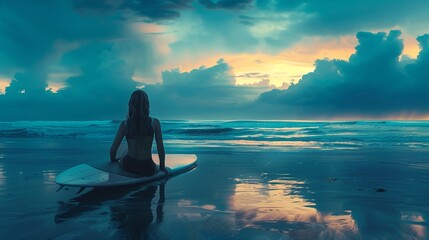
(286, 66)
(411, 46)
(279, 68)
(4, 82)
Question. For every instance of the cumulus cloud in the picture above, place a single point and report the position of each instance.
(218, 75)
(372, 83)
(102, 90)
(31, 83)
(204, 93)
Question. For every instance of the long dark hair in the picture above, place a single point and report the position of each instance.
(138, 121)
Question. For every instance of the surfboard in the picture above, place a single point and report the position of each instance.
(110, 174)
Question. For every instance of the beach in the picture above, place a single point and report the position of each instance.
(254, 180)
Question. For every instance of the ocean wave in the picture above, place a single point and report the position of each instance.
(14, 132)
(28, 133)
(201, 131)
(325, 134)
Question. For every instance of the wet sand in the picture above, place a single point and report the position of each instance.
(373, 193)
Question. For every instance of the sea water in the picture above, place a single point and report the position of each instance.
(248, 135)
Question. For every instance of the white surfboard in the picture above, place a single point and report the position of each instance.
(109, 174)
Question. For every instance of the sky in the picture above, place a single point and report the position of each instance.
(215, 59)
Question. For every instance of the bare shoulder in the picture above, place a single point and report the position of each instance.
(123, 124)
(155, 123)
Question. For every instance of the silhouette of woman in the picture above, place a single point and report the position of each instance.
(139, 129)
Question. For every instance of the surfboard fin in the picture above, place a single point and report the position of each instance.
(80, 190)
(61, 187)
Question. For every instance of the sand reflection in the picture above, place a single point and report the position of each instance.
(2, 176)
(417, 222)
(278, 206)
(49, 175)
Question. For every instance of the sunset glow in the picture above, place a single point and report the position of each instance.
(241, 57)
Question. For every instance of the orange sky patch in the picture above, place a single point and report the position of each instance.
(4, 82)
(286, 66)
(280, 68)
(411, 46)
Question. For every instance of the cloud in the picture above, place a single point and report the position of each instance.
(148, 10)
(227, 4)
(373, 83)
(311, 18)
(205, 32)
(340, 17)
(102, 90)
(98, 47)
(31, 83)
(33, 33)
(99, 91)
(218, 75)
(254, 75)
(98, 53)
(204, 93)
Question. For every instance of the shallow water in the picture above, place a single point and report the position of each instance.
(374, 191)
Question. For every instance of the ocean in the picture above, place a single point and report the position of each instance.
(243, 135)
(254, 180)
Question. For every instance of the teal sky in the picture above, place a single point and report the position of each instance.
(207, 59)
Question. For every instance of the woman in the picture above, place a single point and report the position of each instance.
(139, 130)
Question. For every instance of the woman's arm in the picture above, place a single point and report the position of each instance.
(117, 141)
(159, 143)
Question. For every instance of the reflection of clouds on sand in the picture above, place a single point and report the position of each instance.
(2, 174)
(417, 224)
(277, 206)
(49, 175)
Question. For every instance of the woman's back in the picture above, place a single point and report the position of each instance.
(140, 147)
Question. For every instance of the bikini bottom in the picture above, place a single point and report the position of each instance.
(144, 167)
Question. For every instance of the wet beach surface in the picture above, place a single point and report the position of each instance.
(234, 193)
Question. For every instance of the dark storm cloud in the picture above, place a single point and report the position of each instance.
(101, 52)
(149, 10)
(372, 83)
(99, 91)
(32, 31)
(227, 4)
